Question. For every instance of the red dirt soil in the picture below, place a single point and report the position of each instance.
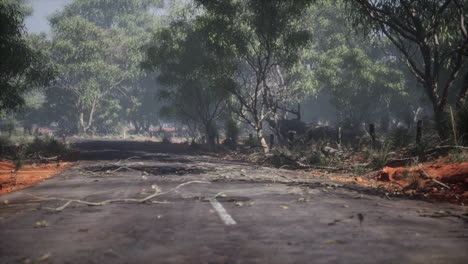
(11, 180)
(440, 182)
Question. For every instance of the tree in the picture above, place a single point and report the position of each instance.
(430, 39)
(260, 38)
(87, 66)
(97, 47)
(21, 67)
(191, 75)
(362, 79)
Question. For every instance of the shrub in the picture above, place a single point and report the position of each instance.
(19, 157)
(48, 146)
(400, 137)
(4, 141)
(232, 131)
(458, 156)
(380, 157)
(461, 120)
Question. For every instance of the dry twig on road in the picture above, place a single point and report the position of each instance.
(129, 200)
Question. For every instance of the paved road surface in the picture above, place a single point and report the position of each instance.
(251, 220)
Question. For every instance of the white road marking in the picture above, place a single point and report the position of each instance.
(227, 219)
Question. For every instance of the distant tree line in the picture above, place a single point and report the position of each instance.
(213, 65)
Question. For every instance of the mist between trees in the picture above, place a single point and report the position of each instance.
(211, 69)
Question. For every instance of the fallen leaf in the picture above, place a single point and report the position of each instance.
(223, 195)
(42, 223)
(26, 261)
(44, 257)
(284, 207)
(302, 199)
(158, 217)
(345, 206)
(6, 202)
(239, 204)
(334, 242)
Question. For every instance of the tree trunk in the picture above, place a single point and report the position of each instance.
(210, 136)
(463, 92)
(262, 140)
(82, 124)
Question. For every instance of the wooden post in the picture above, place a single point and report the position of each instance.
(272, 140)
(419, 128)
(299, 111)
(291, 136)
(372, 132)
(338, 138)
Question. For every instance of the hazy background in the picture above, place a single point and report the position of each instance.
(38, 22)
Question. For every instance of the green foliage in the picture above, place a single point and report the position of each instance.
(106, 13)
(19, 156)
(380, 156)
(363, 81)
(461, 120)
(97, 49)
(22, 66)
(458, 156)
(47, 146)
(232, 131)
(10, 126)
(191, 74)
(431, 38)
(400, 137)
(4, 141)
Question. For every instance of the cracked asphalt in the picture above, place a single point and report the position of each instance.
(280, 216)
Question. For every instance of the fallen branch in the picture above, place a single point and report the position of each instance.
(132, 157)
(106, 202)
(432, 178)
(387, 196)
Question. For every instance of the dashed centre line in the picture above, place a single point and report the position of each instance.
(223, 214)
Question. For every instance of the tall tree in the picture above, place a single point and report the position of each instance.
(362, 79)
(191, 74)
(97, 46)
(428, 36)
(260, 37)
(21, 67)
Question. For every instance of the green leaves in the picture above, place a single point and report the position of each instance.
(22, 66)
(97, 47)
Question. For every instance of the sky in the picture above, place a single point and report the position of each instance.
(38, 22)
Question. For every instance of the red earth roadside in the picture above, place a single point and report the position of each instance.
(11, 180)
(438, 180)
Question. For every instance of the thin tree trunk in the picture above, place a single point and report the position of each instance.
(463, 92)
(261, 138)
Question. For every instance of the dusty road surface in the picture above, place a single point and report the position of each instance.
(226, 212)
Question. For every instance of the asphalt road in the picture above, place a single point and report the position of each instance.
(231, 212)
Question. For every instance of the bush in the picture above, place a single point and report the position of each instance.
(9, 127)
(166, 138)
(461, 120)
(232, 131)
(19, 157)
(458, 156)
(4, 141)
(400, 137)
(380, 157)
(48, 146)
